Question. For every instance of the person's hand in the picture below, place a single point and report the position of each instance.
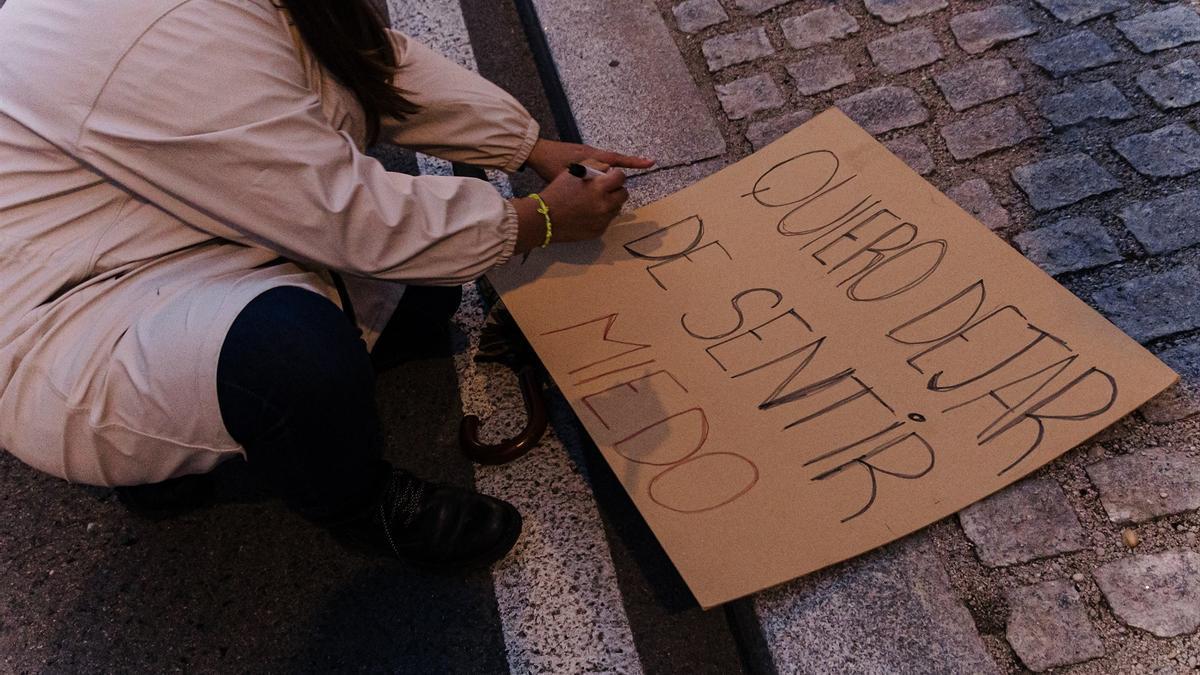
(580, 209)
(551, 158)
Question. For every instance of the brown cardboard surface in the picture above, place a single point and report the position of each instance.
(812, 353)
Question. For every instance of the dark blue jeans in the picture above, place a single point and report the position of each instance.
(296, 388)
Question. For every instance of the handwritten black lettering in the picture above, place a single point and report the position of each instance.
(587, 400)
(869, 462)
(888, 291)
(976, 292)
(1050, 373)
(791, 325)
(663, 233)
(741, 316)
(1040, 336)
(686, 256)
(850, 446)
(1039, 418)
(862, 389)
(656, 448)
(959, 335)
(907, 232)
(803, 170)
(717, 475)
(830, 228)
(853, 235)
(604, 325)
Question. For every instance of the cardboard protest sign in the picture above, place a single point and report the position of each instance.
(812, 353)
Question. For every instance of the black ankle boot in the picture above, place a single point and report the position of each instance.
(437, 526)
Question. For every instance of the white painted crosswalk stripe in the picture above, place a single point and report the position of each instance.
(557, 592)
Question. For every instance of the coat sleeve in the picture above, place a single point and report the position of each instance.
(209, 117)
(463, 117)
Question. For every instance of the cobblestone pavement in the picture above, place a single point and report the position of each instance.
(1068, 127)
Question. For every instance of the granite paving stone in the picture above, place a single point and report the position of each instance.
(1069, 245)
(981, 134)
(762, 133)
(1185, 360)
(1091, 101)
(693, 16)
(1175, 85)
(890, 611)
(813, 76)
(742, 98)
(562, 606)
(978, 82)
(1063, 180)
(1166, 224)
(902, 52)
(883, 109)
(758, 6)
(1182, 400)
(818, 27)
(1170, 151)
(1159, 592)
(1144, 485)
(1073, 53)
(1155, 305)
(1025, 521)
(975, 197)
(730, 49)
(914, 152)
(979, 31)
(1078, 11)
(1179, 402)
(895, 11)
(1048, 626)
(648, 104)
(1156, 31)
(649, 187)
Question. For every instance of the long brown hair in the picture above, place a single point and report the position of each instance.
(350, 40)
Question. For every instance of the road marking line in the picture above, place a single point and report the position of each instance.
(559, 601)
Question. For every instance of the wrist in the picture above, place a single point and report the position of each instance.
(531, 225)
(520, 158)
(536, 158)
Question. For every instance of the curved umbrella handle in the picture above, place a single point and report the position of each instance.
(515, 447)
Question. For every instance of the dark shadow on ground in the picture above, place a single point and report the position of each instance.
(242, 584)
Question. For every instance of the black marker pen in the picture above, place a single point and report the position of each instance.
(583, 172)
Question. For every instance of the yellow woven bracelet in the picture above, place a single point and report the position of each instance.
(545, 211)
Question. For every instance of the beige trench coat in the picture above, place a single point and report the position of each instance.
(163, 162)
